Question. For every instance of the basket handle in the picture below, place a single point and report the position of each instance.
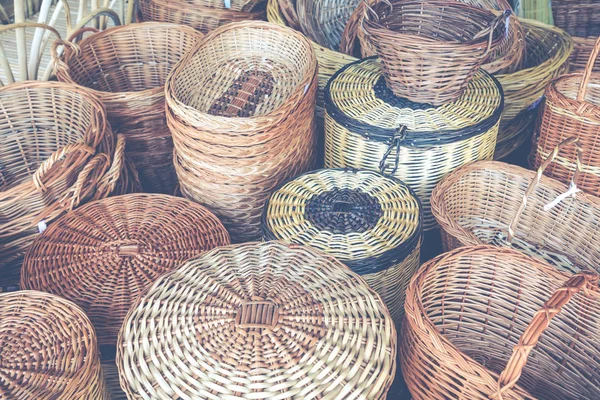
(395, 142)
(109, 181)
(78, 34)
(536, 179)
(38, 176)
(492, 27)
(587, 73)
(586, 282)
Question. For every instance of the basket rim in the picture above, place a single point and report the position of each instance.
(554, 93)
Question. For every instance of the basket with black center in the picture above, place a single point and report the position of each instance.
(370, 222)
(368, 127)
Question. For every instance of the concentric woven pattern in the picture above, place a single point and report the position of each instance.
(369, 222)
(258, 321)
(476, 204)
(364, 121)
(48, 349)
(489, 323)
(102, 255)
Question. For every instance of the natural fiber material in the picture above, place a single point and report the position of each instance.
(48, 350)
(489, 323)
(579, 18)
(548, 50)
(259, 320)
(126, 68)
(572, 109)
(367, 127)
(506, 205)
(581, 54)
(369, 222)
(430, 49)
(324, 20)
(102, 255)
(241, 110)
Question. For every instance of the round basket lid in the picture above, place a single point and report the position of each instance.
(48, 348)
(103, 254)
(358, 98)
(368, 221)
(258, 321)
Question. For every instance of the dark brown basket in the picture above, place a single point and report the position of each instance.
(579, 18)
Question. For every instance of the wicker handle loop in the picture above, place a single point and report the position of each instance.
(492, 27)
(536, 179)
(38, 176)
(109, 181)
(395, 142)
(585, 282)
(61, 59)
(87, 180)
(77, 35)
(587, 73)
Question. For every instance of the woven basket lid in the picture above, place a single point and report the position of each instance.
(103, 254)
(48, 349)
(366, 220)
(258, 321)
(358, 98)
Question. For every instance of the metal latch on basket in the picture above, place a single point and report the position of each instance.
(394, 142)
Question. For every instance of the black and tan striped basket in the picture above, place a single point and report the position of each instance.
(370, 222)
(367, 127)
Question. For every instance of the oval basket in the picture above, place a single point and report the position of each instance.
(370, 222)
(49, 349)
(367, 127)
(482, 203)
(572, 109)
(241, 107)
(264, 320)
(126, 68)
(489, 323)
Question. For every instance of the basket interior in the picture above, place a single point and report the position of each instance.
(543, 45)
(244, 72)
(324, 21)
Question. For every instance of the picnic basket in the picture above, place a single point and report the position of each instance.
(264, 320)
(484, 322)
(370, 222)
(367, 127)
(240, 107)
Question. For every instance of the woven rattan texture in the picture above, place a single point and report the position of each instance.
(581, 53)
(364, 122)
(369, 222)
(477, 203)
(490, 323)
(102, 255)
(48, 350)
(126, 67)
(579, 18)
(262, 320)
(324, 20)
(231, 163)
(430, 50)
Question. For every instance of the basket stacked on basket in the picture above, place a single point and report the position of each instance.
(49, 349)
(369, 222)
(126, 68)
(489, 323)
(241, 110)
(261, 321)
(572, 109)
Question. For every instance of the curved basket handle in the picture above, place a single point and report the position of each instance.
(350, 34)
(586, 282)
(587, 73)
(109, 181)
(536, 179)
(78, 34)
(38, 176)
(492, 27)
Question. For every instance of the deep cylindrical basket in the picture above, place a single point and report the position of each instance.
(367, 127)
(485, 323)
(572, 109)
(126, 68)
(505, 205)
(49, 349)
(260, 321)
(370, 222)
(241, 109)
(431, 49)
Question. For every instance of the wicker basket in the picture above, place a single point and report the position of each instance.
(126, 68)
(323, 21)
(49, 349)
(579, 18)
(489, 323)
(369, 222)
(367, 127)
(581, 54)
(505, 205)
(262, 321)
(241, 110)
(431, 49)
(572, 108)
(547, 52)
